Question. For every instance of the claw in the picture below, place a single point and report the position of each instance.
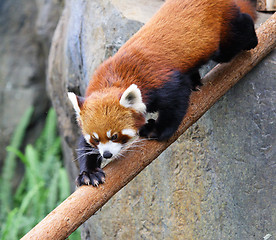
(95, 183)
(94, 178)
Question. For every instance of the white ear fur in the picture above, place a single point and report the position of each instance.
(74, 101)
(132, 98)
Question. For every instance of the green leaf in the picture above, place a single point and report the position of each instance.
(8, 230)
(44, 185)
(64, 185)
(53, 193)
(8, 170)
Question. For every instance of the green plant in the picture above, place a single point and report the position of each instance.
(10, 164)
(44, 185)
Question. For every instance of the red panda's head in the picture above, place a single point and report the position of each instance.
(110, 118)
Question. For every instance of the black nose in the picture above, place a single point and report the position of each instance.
(107, 154)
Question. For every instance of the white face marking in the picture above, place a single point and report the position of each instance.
(129, 132)
(87, 138)
(112, 147)
(95, 135)
(108, 134)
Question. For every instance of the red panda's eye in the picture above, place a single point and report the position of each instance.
(96, 140)
(114, 137)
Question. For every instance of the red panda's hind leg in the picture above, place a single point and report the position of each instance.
(242, 36)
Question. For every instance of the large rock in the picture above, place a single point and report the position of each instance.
(26, 29)
(215, 182)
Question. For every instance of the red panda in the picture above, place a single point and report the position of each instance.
(155, 71)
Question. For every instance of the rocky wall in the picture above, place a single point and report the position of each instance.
(217, 181)
(26, 30)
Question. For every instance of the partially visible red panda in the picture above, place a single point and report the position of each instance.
(155, 71)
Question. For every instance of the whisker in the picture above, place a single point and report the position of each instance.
(85, 154)
(136, 144)
(120, 154)
(87, 148)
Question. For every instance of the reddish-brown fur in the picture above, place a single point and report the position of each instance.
(105, 105)
(181, 35)
(155, 71)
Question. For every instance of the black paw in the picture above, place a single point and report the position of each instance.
(196, 86)
(196, 80)
(94, 178)
(152, 130)
(148, 130)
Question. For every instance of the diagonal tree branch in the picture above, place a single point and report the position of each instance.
(86, 200)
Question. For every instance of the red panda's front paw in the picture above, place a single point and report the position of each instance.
(94, 178)
(154, 130)
(148, 130)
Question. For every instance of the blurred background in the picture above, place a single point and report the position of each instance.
(216, 182)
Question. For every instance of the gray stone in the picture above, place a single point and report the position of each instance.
(217, 181)
(26, 29)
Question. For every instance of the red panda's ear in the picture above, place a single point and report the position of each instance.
(132, 98)
(76, 101)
